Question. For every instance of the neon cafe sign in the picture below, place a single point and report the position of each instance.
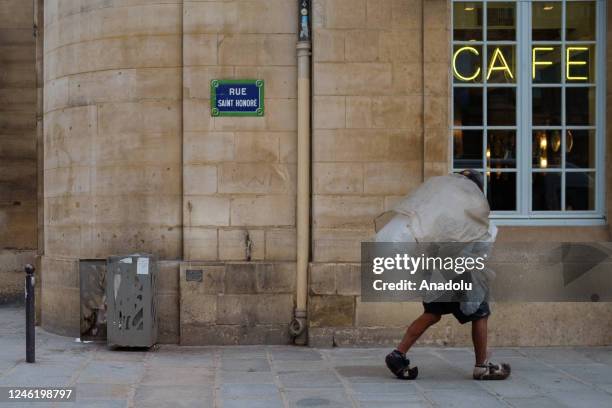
(499, 63)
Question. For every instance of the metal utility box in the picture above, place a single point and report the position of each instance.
(131, 301)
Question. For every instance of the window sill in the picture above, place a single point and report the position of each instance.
(548, 221)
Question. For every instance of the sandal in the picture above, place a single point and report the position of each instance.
(400, 366)
(490, 371)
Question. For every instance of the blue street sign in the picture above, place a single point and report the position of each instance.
(237, 97)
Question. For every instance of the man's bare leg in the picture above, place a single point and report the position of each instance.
(416, 330)
(397, 361)
(479, 338)
(484, 369)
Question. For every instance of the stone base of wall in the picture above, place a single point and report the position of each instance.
(511, 324)
(338, 317)
(12, 274)
(252, 303)
(60, 296)
(236, 303)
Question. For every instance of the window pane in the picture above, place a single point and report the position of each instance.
(467, 63)
(546, 191)
(502, 64)
(467, 149)
(501, 22)
(580, 106)
(467, 21)
(501, 191)
(467, 106)
(547, 21)
(501, 149)
(501, 106)
(580, 191)
(546, 149)
(580, 149)
(581, 21)
(580, 63)
(546, 64)
(546, 106)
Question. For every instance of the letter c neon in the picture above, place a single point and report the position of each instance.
(456, 72)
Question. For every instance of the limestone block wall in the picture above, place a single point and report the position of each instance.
(368, 117)
(133, 161)
(112, 129)
(339, 317)
(236, 302)
(368, 143)
(381, 126)
(18, 201)
(239, 174)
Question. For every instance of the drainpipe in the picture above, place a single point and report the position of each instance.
(297, 328)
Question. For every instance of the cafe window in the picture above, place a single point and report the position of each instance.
(528, 105)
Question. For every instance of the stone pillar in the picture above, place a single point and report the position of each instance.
(18, 200)
(436, 87)
(112, 135)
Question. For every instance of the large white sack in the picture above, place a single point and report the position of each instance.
(443, 209)
(396, 230)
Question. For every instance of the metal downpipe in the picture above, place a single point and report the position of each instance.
(297, 327)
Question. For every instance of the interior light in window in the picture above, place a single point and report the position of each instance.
(549, 7)
(543, 141)
(556, 141)
(543, 148)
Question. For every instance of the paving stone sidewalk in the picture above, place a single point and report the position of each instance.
(285, 376)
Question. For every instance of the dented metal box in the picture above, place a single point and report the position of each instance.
(131, 301)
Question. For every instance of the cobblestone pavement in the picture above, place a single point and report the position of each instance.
(285, 376)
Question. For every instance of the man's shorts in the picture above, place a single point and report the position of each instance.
(454, 308)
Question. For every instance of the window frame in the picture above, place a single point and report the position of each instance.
(524, 86)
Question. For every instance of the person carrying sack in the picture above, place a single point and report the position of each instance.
(449, 208)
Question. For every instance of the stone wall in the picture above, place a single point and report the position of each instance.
(18, 201)
(372, 110)
(134, 162)
(381, 126)
(236, 303)
(367, 120)
(112, 129)
(239, 174)
(339, 317)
